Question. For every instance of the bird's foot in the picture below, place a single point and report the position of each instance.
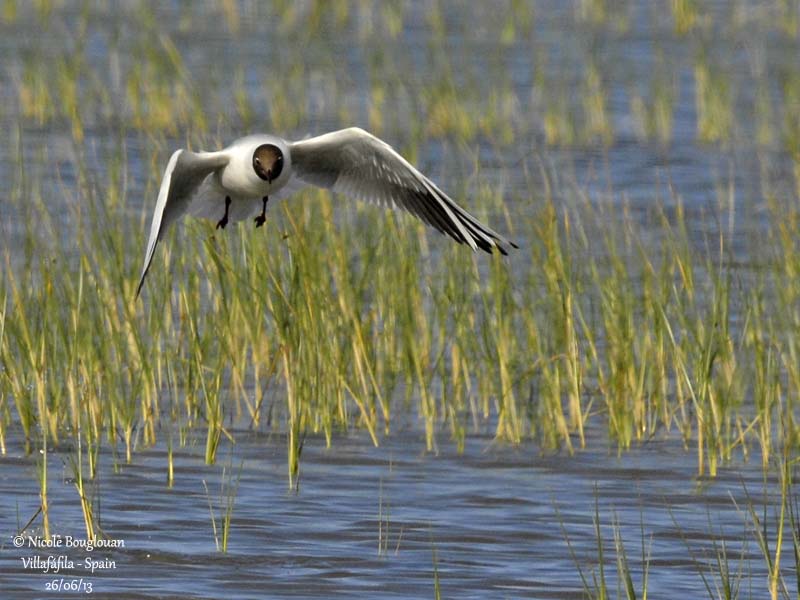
(224, 220)
(262, 218)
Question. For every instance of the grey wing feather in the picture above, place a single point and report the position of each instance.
(183, 176)
(357, 164)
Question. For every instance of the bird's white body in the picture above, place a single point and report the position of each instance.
(239, 179)
(235, 182)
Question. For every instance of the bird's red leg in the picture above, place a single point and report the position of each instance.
(224, 220)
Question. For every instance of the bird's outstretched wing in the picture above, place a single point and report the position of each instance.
(185, 172)
(357, 164)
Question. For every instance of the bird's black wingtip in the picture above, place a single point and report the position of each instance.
(502, 246)
(141, 284)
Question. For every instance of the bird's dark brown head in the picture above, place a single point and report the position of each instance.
(268, 162)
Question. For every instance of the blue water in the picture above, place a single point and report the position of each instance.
(366, 521)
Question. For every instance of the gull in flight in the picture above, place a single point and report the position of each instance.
(237, 183)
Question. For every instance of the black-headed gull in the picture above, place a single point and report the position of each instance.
(237, 182)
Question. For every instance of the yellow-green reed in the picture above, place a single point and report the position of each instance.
(770, 523)
(4, 392)
(384, 525)
(231, 489)
(44, 505)
(686, 15)
(332, 315)
(595, 110)
(81, 486)
(228, 489)
(335, 317)
(437, 589)
(770, 530)
(599, 586)
(713, 98)
(654, 109)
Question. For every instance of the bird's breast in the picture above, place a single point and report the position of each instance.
(237, 181)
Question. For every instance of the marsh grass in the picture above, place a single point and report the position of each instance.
(597, 586)
(437, 586)
(44, 507)
(82, 487)
(724, 563)
(332, 317)
(769, 530)
(385, 525)
(326, 334)
(722, 579)
(228, 489)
